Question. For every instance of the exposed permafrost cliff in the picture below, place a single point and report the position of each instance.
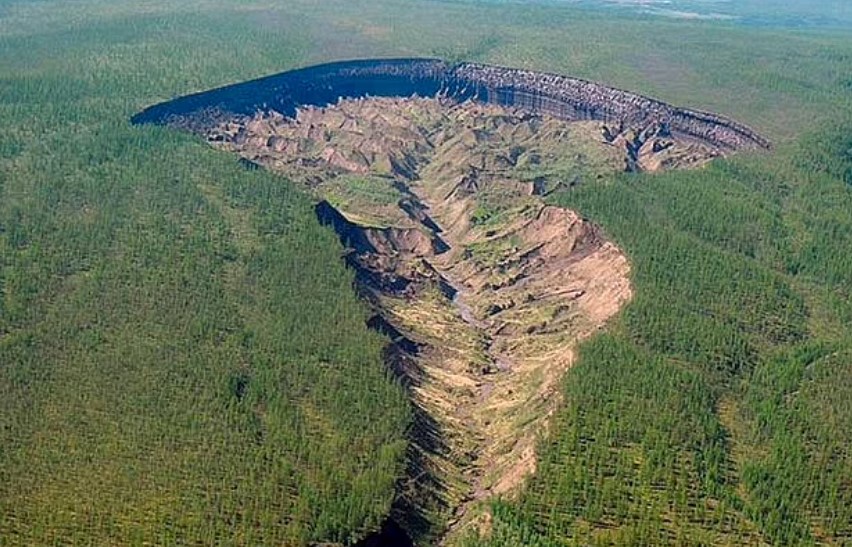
(559, 96)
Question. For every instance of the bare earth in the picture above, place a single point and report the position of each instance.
(486, 289)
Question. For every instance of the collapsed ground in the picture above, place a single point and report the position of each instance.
(484, 288)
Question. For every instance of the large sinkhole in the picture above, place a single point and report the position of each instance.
(436, 178)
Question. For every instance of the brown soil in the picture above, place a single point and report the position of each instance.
(485, 288)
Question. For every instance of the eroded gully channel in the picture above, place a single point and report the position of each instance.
(483, 315)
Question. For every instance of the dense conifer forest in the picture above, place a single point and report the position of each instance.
(183, 359)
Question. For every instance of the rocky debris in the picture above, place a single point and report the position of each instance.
(364, 136)
(484, 289)
(654, 148)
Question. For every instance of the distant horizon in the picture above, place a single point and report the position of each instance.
(831, 14)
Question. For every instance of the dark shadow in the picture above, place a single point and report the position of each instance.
(390, 535)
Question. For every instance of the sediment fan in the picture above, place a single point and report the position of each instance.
(559, 96)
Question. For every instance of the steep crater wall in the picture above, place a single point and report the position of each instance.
(559, 96)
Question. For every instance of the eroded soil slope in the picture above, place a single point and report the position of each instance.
(485, 289)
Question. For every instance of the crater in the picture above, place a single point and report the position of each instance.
(434, 176)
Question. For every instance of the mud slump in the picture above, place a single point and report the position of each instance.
(433, 177)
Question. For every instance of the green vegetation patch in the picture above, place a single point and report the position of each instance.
(355, 194)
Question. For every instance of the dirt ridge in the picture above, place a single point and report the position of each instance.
(483, 289)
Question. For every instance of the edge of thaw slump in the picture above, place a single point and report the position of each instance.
(561, 96)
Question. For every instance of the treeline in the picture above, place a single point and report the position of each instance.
(716, 410)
